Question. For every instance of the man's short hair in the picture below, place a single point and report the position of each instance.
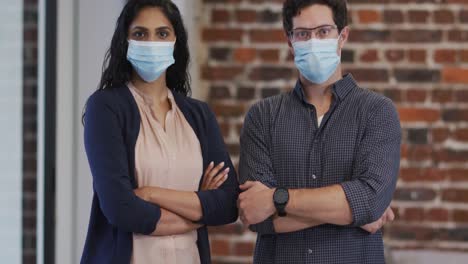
(292, 8)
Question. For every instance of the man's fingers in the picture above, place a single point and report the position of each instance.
(247, 185)
(390, 215)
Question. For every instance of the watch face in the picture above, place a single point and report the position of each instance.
(281, 196)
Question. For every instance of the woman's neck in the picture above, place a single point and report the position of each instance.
(156, 90)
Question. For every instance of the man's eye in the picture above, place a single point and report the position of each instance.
(324, 31)
(303, 34)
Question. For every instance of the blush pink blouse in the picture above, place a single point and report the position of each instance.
(168, 158)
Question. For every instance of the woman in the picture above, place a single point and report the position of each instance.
(147, 144)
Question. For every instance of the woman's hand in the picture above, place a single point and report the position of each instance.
(214, 176)
(144, 193)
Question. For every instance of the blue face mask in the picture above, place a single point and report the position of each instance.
(150, 59)
(316, 59)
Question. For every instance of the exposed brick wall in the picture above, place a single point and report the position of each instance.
(29, 130)
(413, 51)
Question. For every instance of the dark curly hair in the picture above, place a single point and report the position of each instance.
(292, 8)
(117, 69)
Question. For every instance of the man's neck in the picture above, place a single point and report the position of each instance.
(318, 94)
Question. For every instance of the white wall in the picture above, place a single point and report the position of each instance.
(84, 34)
(11, 134)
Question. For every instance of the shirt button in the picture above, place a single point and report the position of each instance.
(314, 177)
(310, 251)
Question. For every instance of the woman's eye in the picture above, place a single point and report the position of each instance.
(138, 34)
(163, 34)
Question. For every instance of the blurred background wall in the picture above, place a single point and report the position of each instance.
(413, 51)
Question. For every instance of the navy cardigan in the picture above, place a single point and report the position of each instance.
(112, 123)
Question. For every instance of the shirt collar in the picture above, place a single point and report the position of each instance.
(340, 89)
(148, 100)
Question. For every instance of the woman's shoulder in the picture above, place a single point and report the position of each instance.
(112, 98)
(192, 105)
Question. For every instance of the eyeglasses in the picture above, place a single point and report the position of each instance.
(305, 34)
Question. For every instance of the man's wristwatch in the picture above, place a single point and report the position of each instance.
(280, 199)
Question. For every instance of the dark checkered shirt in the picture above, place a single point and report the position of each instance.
(356, 146)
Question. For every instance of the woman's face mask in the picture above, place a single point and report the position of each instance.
(150, 58)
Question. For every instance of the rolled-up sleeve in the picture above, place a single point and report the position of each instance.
(255, 162)
(219, 207)
(375, 174)
(108, 160)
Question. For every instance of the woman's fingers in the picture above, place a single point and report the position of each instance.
(216, 170)
(221, 178)
(214, 176)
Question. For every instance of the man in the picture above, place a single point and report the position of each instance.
(319, 164)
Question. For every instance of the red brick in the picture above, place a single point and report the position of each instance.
(418, 16)
(404, 151)
(414, 233)
(395, 55)
(369, 16)
(221, 72)
(416, 36)
(268, 35)
(229, 110)
(437, 215)
(271, 73)
(442, 96)
(416, 96)
(456, 175)
(445, 56)
(455, 114)
(419, 114)
(461, 134)
(444, 16)
(455, 195)
(414, 194)
(370, 56)
(420, 152)
(220, 16)
(370, 75)
(458, 35)
(244, 249)
(450, 155)
(421, 175)
(439, 135)
(463, 55)
(269, 55)
(461, 96)
(244, 55)
(220, 247)
(460, 216)
(393, 16)
(218, 34)
(246, 16)
(413, 214)
(231, 229)
(455, 75)
(417, 56)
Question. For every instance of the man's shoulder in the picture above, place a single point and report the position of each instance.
(269, 105)
(370, 100)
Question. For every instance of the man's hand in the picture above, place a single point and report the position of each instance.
(255, 203)
(387, 217)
